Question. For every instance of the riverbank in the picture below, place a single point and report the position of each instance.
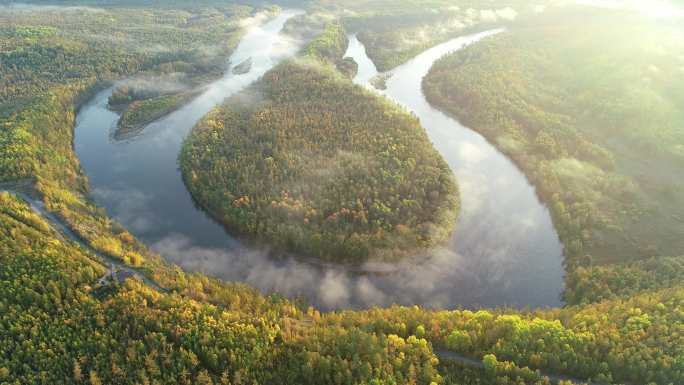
(25, 191)
(598, 136)
(146, 194)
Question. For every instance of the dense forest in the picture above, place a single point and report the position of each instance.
(624, 322)
(394, 31)
(131, 333)
(319, 166)
(590, 106)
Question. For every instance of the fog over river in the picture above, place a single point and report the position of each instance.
(505, 250)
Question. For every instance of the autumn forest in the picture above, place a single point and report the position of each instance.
(243, 192)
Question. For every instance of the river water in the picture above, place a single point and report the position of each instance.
(505, 251)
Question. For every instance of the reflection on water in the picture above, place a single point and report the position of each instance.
(504, 234)
(515, 261)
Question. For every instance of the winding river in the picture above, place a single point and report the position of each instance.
(504, 253)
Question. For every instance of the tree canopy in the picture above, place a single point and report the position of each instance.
(317, 165)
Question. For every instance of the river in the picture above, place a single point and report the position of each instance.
(505, 251)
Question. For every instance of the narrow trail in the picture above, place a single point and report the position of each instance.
(24, 190)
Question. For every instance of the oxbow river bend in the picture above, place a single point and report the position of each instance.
(504, 252)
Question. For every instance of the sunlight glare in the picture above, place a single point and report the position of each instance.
(658, 9)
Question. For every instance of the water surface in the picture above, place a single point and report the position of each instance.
(504, 233)
(494, 260)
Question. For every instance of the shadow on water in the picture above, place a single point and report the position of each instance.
(502, 254)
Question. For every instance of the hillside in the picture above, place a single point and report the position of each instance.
(589, 106)
(316, 165)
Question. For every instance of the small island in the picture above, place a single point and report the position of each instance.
(379, 81)
(140, 113)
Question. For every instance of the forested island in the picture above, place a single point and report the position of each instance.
(557, 113)
(143, 104)
(318, 166)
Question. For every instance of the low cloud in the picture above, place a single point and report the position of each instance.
(168, 83)
(131, 207)
(254, 21)
(444, 278)
(658, 9)
(507, 13)
(493, 16)
(53, 8)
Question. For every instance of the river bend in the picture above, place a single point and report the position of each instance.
(505, 251)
